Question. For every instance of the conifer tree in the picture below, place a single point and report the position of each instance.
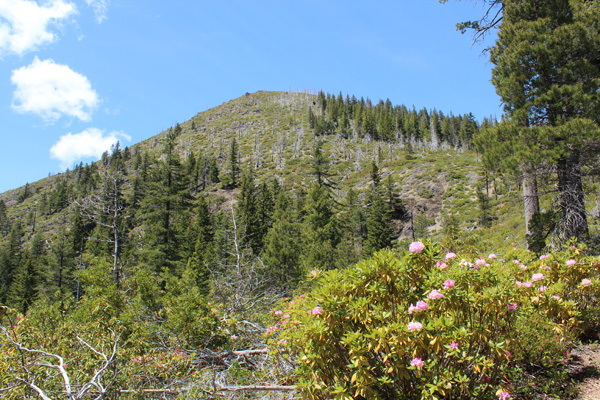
(379, 233)
(24, 289)
(247, 211)
(166, 209)
(320, 164)
(283, 246)
(234, 165)
(3, 219)
(201, 235)
(62, 263)
(10, 259)
(546, 74)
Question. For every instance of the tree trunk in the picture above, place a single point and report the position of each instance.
(573, 222)
(531, 200)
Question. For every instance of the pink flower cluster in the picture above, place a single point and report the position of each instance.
(570, 263)
(441, 265)
(414, 326)
(512, 306)
(434, 294)
(537, 277)
(273, 329)
(453, 346)
(416, 247)
(526, 284)
(504, 396)
(449, 283)
(178, 353)
(450, 256)
(316, 311)
(417, 362)
(586, 282)
(421, 306)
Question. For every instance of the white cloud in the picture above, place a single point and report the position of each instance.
(100, 8)
(51, 90)
(91, 142)
(24, 25)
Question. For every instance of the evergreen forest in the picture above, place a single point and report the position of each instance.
(323, 245)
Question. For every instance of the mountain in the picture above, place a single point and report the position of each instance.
(273, 134)
(167, 264)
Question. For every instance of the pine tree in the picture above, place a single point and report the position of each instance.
(546, 75)
(320, 164)
(379, 233)
(10, 260)
(283, 247)
(247, 212)
(4, 223)
(375, 176)
(201, 235)
(166, 210)
(26, 284)
(234, 165)
(394, 201)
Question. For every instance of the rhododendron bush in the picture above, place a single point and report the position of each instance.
(421, 325)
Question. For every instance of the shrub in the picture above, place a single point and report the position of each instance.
(423, 326)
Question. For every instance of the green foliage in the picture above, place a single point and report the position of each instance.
(423, 326)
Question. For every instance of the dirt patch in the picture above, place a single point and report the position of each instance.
(584, 368)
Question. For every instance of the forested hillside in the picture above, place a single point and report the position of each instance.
(154, 269)
(312, 181)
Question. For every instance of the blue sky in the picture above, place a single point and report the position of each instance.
(78, 75)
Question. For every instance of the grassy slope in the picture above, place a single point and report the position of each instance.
(272, 131)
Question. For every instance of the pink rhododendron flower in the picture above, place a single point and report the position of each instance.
(453, 345)
(450, 256)
(528, 284)
(517, 261)
(441, 265)
(414, 326)
(556, 297)
(537, 277)
(317, 310)
(518, 283)
(278, 312)
(282, 342)
(523, 267)
(434, 295)
(504, 396)
(314, 272)
(234, 337)
(480, 261)
(286, 316)
(271, 329)
(422, 305)
(492, 256)
(544, 256)
(417, 362)
(449, 283)
(570, 263)
(542, 288)
(464, 263)
(416, 247)
(586, 282)
(512, 306)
